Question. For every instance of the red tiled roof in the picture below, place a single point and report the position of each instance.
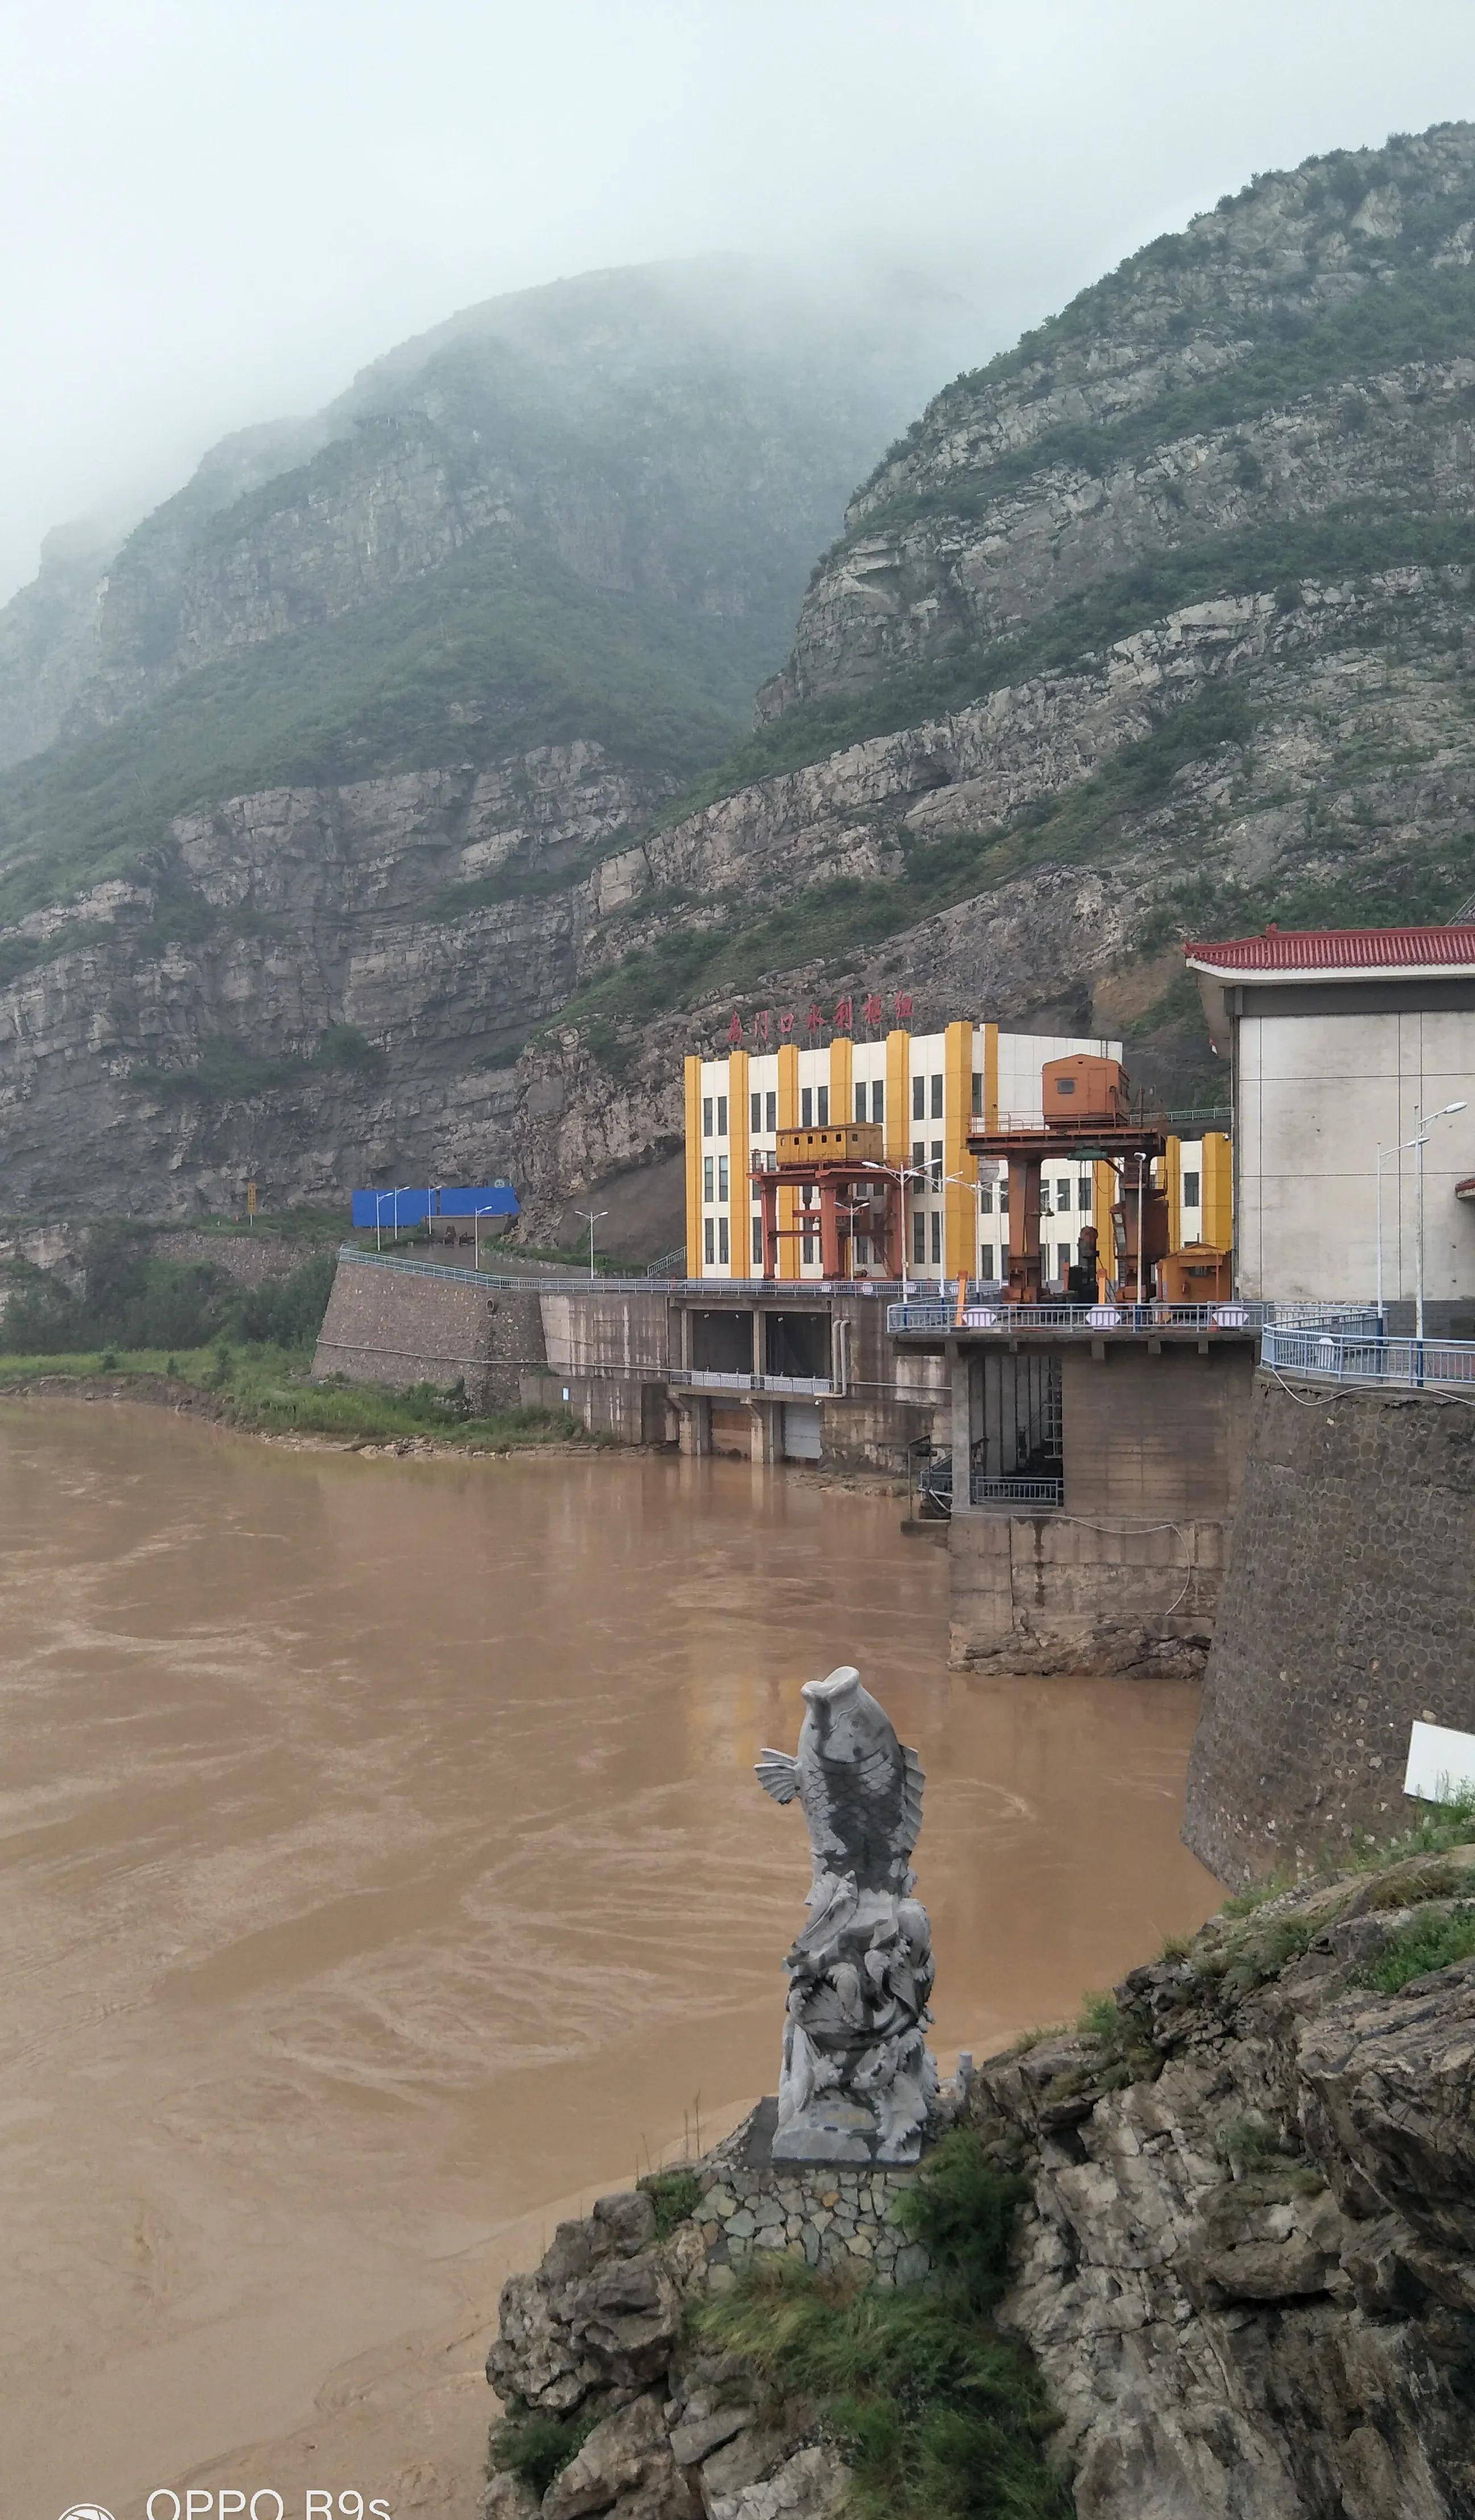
(1340, 949)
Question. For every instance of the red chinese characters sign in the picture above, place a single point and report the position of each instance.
(815, 1021)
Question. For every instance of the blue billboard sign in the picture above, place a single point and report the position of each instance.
(404, 1207)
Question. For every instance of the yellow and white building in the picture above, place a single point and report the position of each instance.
(926, 1091)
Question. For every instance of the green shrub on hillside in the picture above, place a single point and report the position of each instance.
(499, 651)
(129, 1300)
(937, 2414)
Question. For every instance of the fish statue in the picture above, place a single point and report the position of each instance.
(857, 2082)
(859, 1787)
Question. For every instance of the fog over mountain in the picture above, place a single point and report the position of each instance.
(215, 213)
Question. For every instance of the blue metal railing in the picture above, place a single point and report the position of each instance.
(1229, 1314)
(988, 1491)
(1337, 1356)
(553, 1282)
(793, 1386)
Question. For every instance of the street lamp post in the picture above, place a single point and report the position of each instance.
(1420, 1141)
(476, 1216)
(1385, 1155)
(380, 1197)
(596, 1216)
(900, 1173)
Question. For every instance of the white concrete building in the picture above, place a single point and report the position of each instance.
(926, 1091)
(1344, 1045)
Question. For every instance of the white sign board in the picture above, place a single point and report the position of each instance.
(1441, 1763)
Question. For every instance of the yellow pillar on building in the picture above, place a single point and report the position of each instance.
(960, 1199)
(739, 1187)
(898, 1096)
(1105, 1190)
(693, 1166)
(841, 1088)
(788, 1118)
(1218, 1189)
(1173, 1184)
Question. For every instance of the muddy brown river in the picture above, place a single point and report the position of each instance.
(383, 1872)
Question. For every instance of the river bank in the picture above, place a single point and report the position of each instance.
(384, 1873)
(267, 1391)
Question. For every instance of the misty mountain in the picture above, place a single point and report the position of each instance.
(586, 510)
(1157, 623)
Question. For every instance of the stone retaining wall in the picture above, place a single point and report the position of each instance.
(399, 1327)
(1348, 1611)
(836, 2219)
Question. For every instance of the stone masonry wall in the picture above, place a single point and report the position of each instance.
(1348, 1611)
(399, 1326)
(836, 2219)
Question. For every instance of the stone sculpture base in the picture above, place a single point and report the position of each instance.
(841, 2130)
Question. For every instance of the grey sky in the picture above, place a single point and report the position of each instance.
(214, 212)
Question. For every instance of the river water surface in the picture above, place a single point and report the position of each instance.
(383, 1870)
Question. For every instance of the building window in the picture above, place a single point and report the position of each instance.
(937, 1163)
(877, 1102)
(757, 1242)
(919, 1238)
(810, 1252)
(919, 1165)
(706, 1177)
(863, 1250)
(936, 1238)
(706, 1115)
(807, 1108)
(1190, 1190)
(985, 1199)
(1003, 1198)
(918, 1098)
(709, 1240)
(722, 1115)
(1062, 1254)
(1062, 1197)
(722, 1240)
(1084, 1188)
(860, 1101)
(937, 1097)
(755, 1114)
(822, 1106)
(986, 1260)
(771, 1113)
(977, 1106)
(722, 1177)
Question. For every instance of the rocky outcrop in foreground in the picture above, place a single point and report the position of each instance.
(1242, 2261)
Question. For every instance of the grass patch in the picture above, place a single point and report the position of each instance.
(675, 2196)
(1437, 1828)
(265, 1389)
(227, 1071)
(537, 2447)
(1435, 1940)
(937, 2414)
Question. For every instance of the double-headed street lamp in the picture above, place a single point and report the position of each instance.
(596, 1216)
(380, 1197)
(900, 1173)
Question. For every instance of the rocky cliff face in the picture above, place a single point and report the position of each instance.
(1243, 2264)
(316, 984)
(1160, 624)
(1278, 366)
(1248, 2270)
